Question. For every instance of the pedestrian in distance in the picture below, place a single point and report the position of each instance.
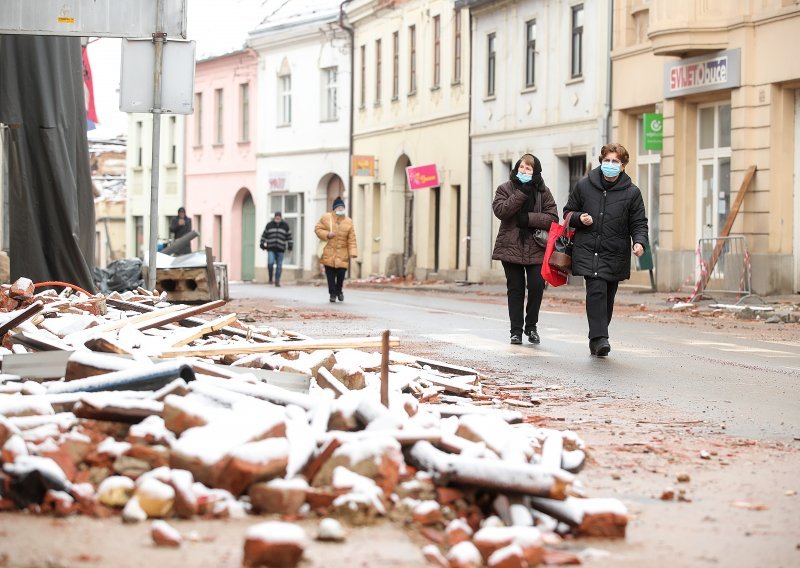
(336, 229)
(179, 226)
(276, 239)
(523, 204)
(609, 219)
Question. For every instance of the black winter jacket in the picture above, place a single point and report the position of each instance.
(603, 249)
(276, 237)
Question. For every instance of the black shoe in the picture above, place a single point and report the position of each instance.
(516, 339)
(533, 336)
(270, 281)
(341, 297)
(277, 284)
(333, 299)
(599, 346)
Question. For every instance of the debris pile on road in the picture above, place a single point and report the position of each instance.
(125, 405)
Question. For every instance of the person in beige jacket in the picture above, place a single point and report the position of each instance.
(336, 229)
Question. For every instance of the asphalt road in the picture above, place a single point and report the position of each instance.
(722, 376)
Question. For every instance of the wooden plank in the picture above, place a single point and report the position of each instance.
(213, 291)
(446, 367)
(106, 345)
(245, 348)
(179, 315)
(385, 368)
(24, 315)
(193, 333)
(133, 320)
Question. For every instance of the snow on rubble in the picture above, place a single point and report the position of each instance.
(125, 406)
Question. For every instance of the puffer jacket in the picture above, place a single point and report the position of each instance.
(514, 244)
(342, 247)
(603, 249)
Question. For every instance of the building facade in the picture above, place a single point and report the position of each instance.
(411, 109)
(139, 162)
(107, 162)
(221, 144)
(304, 124)
(723, 80)
(540, 84)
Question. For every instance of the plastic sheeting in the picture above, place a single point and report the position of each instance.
(51, 206)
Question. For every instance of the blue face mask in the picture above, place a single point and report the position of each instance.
(610, 170)
(524, 178)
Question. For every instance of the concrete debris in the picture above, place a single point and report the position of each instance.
(134, 408)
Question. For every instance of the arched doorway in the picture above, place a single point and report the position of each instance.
(334, 189)
(248, 242)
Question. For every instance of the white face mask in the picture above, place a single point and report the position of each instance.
(339, 211)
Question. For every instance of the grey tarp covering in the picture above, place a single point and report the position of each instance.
(51, 205)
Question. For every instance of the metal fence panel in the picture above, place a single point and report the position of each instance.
(731, 271)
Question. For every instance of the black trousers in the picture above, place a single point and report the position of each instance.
(516, 275)
(335, 278)
(599, 305)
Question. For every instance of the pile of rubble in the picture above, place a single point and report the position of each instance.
(126, 405)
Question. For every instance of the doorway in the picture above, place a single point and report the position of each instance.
(713, 168)
(248, 238)
(436, 196)
(796, 246)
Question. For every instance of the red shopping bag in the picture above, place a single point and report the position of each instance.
(550, 274)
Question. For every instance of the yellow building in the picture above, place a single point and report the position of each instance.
(724, 76)
(411, 109)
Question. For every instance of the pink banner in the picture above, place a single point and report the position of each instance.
(421, 177)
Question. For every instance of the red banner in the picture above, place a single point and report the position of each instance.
(88, 90)
(421, 177)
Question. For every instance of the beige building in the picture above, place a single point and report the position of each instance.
(411, 109)
(725, 77)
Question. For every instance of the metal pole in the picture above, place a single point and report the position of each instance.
(159, 38)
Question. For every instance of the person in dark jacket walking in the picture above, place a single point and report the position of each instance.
(276, 239)
(523, 204)
(180, 226)
(608, 215)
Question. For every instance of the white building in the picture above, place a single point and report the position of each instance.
(303, 122)
(540, 84)
(139, 166)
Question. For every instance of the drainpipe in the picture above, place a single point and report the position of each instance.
(350, 32)
(469, 155)
(609, 75)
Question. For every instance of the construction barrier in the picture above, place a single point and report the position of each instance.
(723, 266)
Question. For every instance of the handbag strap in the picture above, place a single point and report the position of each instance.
(565, 226)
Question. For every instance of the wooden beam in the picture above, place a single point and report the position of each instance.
(177, 316)
(24, 315)
(385, 368)
(185, 337)
(245, 348)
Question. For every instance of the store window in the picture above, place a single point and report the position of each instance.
(648, 176)
(291, 205)
(713, 168)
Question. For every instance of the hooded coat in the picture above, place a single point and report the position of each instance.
(342, 246)
(603, 249)
(515, 242)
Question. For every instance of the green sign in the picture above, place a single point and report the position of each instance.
(653, 131)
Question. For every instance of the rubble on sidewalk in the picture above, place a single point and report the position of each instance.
(126, 406)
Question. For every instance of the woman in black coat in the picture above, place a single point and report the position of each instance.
(608, 215)
(523, 204)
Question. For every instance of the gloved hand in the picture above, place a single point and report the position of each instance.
(262, 245)
(522, 220)
(288, 248)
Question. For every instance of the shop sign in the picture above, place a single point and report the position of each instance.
(653, 131)
(277, 181)
(421, 177)
(362, 166)
(721, 70)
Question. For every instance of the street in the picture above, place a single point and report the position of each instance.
(723, 376)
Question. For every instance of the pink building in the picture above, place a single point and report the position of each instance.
(221, 160)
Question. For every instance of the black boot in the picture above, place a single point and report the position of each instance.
(533, 336)
(599, 346)
(332, 299)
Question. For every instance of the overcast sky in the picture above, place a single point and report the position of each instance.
(218, 26)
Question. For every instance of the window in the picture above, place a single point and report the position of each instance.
(437, 50)
(457, 47)
(330, 96)
(218, 116)
(139, 135)
(285, 98)
(172, 145)
(714, 168)
(577, 40)
(377, 72)
(198, 119)
(244, 112)
(530, 53)
(490, 64)
(395, 65)
(363, 77)
(412, 59)
(138, 235)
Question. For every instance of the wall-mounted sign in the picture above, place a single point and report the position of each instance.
(653, 131)
(362, 166)
(721, 70)
(421, 177)
(277, 181)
